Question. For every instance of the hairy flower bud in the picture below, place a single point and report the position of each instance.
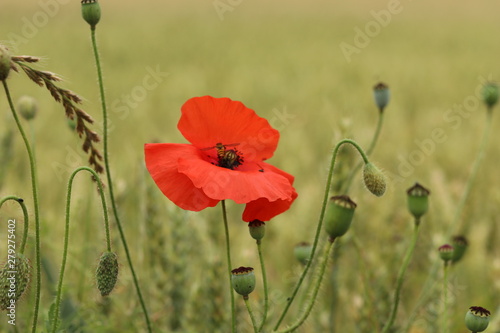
(243, 280)
(5, 59)
(302, 252)
(257, 229)
(107, 273)
(490, 94)
(381, 94)
(338, 216)
(91, 12)
(418, 202)
(27, 107)
(374, 179)
(477, 319)
(14, 279)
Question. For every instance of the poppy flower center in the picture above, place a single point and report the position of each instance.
(227, 158)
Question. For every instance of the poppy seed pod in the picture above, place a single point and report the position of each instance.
(460, 246)
(243, 280)
(27, 107)
(257, 229)
(107, 273)
(338, 216)
(477, 319)
(418, 202)
(446, 252)
(490, 94)
(91, 12)
(302, 252)
(381, 94)
(5, 59)
(374, 179)
(14, 279)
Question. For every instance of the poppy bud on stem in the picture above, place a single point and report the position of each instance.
(382, 95)
(477, 319)
(5, 59)
(91, 12)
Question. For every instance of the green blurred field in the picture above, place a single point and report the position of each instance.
(278, 58)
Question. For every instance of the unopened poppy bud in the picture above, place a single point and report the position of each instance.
(107, 273)
(257, 229)
(302, 252)
(338, 216)
(459, 247)
(5, 59)
(27, 107)
(477, 319)
(243, 280)
(490, 94)
(381, 95)
(91, 12)
(418, 202)
(14, 279)
(374, 179)
(446, 252)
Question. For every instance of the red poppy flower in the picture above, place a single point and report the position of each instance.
(225, 160)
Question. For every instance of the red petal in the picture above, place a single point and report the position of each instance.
(243, 185)
(162, 163)
(264, 210)
(206, 121)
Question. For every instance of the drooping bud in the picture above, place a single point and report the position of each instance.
(243, 280)
(302, 252)
(490, 94)
(107, 273)
(446, 252)
(418, 202)
(381, 95)
(5, 59)
(338, 216)
(477, 319)
(374, 179)
(460, 246)
(27, 107)
(257, 229)
(91, 12)
(14, 279)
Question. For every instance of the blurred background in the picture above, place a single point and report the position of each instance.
(307, 67)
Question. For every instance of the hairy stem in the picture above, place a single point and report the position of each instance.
(229, 265)
(252, 316)
(26, 218)
(266, 289)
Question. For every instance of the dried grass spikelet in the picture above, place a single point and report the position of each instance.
(69, 101)
(14, 279)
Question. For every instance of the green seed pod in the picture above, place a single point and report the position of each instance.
(460, 246)
(446, 252)
(374, 179)
(490, 94)
(302, 252)
(381, 95)
(477, 319)
(338, 216)
(91, 12)
(107, 273)
(14, 279)
(5, 59)
(418, 202)
(257, 229)
(27, 107)
(243, 280)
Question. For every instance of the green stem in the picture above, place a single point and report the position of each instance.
(250, 312)
(312, 300)
(428, 289)
(399, 282)
(110, 183)
(26, 219)
(34, 188)
(266, 290)
(320, 223)
(66, 234)
(229, 265)
(368, 151)
(445, 296)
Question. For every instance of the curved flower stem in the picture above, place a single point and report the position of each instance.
(428, 288)
(26, 219)
(266, 291)
(445, 297)
(34, 188)
(320, 223)
(66, 234)
(229, 265)
(368, 151)
(252, 316)
(110, 183)
(399, 282)
(322, 268)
